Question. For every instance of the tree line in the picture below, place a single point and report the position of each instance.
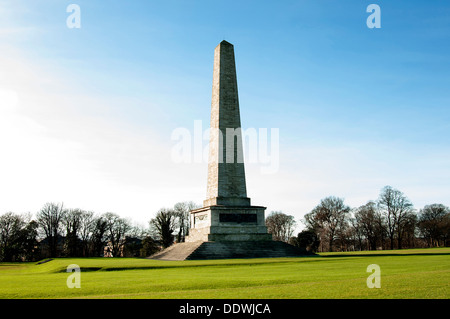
(390, 222)
(56, 231)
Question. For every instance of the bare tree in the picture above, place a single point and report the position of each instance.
(50, 218)
(313, 227)
(86, 231)
(368, 222)
(72, 223)
(280, 225)
(99, 236)
(137, 231)
(79, 226)
(10, 227)
(396, 209)
(331, 216)
(182, 211)
(409, 230)
(356, 234)
(117, 229)
(164, 225)
(434, 221)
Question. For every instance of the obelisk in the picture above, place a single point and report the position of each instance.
(227, 226)
(226, 174)
(226, 214)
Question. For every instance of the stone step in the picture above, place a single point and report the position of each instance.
(228, 249)
(178, 251)
(221, 250)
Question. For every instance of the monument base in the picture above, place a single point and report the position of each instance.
(222, 232)
(228, 223)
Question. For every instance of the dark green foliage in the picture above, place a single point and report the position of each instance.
(308, 239)
(149, 247)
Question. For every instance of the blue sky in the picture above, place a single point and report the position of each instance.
(89, 112)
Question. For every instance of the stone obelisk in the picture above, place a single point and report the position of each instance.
(227, 226)
(226, 214)
(226, 174)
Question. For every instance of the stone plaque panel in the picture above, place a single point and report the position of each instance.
(238, 218)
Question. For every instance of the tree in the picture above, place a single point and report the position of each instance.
(280, 225)
(182, 211)
(312, 226)
(368, 222)
(10, 225)
(330, 216)
(17, 237)
(86, 231)
(396, 209)
(117, 229)
(434, 223)
(149, 247)
(132, 247)
(50, 219)
(28, 242)
(98, 237)
(72, 223)
(356, 234)
(308, 239)
(409, 230)
(134, 241)
(164, 225)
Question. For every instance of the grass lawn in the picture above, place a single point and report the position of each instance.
(414, 273)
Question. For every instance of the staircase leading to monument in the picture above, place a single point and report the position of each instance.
(228, 250)
(179, 251)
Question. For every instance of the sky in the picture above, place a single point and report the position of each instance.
(87, 114)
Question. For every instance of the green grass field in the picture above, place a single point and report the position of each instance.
(416, 273)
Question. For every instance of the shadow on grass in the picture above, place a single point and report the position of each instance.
(193, 264)
(383, 255)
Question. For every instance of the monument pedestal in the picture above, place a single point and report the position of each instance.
(228, 223)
